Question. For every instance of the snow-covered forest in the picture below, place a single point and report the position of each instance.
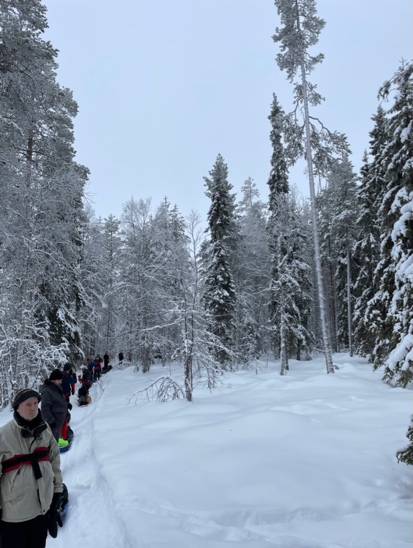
(273, 275)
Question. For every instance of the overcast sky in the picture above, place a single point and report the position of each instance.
(164, 86)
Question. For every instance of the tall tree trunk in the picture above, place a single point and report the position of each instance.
(283, 350)
(323, 316)
(349, 322)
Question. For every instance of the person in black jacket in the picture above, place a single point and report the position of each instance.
(54, 404)
(83, 392)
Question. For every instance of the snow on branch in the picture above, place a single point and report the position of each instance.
(165, 388)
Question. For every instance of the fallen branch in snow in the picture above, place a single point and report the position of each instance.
(163, 389)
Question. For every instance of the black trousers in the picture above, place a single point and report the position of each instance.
(25, 534)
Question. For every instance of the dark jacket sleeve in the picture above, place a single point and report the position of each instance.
(46, 406)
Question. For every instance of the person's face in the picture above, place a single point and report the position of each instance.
(28, 409)
(57, 382)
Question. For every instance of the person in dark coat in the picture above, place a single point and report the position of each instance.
(83, 392)
(97, 369)
(54, 405)
(106, 359)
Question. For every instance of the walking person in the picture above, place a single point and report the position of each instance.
(105, 360)
(69, 380)
(31, 480)
(54, 404)
(97, 370)
(83, 392)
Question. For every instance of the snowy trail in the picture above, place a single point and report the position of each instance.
(92, 518)
(303, 461)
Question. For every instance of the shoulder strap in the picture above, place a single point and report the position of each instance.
(33, 459)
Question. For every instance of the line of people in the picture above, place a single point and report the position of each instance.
(56, 405)
(32, 492)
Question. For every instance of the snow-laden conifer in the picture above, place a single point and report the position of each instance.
(370, 194)
(395, 269)
(338, 210)
(42, 217)
(252, 275)
(219, 293)
(289, 284)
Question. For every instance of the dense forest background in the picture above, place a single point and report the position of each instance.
(274, 275)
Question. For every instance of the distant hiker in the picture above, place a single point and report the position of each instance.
(97, 369)
(69, 381)
(74, 381)
(31, 480)
(106, 360)
(86, 377)
(54, 404)
(86, 381)
(91, 366)
(121, 358)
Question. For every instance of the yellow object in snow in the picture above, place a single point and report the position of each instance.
(62, 442)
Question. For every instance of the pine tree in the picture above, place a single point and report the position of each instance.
(41, 200)
(299, 32)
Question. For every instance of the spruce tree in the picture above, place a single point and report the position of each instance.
(367, 246)
(406, 455)
(219, 294)
(289, 278)
(338, 209)
(395, 267)
(252, 275)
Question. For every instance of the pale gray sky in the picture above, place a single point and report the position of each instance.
(164, 86)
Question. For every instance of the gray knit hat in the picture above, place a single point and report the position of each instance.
(23, 395)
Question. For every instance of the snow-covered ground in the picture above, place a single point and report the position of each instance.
(301, 461)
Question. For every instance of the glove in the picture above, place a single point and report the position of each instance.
(54, 514)
(69, 406)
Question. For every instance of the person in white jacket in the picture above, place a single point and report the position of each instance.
(31, 479)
